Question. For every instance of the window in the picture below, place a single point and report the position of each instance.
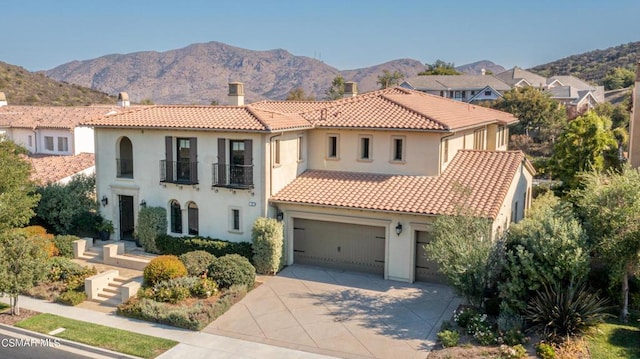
(441, 93)
(192, 213)
(473, 93)
(30, 141)
(176, 217)
(234, 221)
(300, 149)
(445, 151)
(365, 148)
(48, 143)
(276, 155)
(63, 144)
(501, 135)
(234, 168)
(125, 158)
(487, 93)
(332, 146)
(457, 94)
(478, 140)
(181, 163)
(397, 154)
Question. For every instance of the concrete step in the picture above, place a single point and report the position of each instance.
(112, 290)
(120, 280)
(111, 301)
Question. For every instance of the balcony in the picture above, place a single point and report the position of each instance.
(232, 176)
(180, 172)
(124, 168)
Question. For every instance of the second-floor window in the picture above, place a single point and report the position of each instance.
(397, 149)
(276, 154)
(445, 150)
(332, 146)
(365, 148)
(63, 144)
(478, 140)
(125, 158)
(501, 136)
(235, 165)
(180, 166)
(48, 143)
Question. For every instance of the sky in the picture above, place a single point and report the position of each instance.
(348, 34)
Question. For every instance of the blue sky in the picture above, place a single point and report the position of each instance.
(41, 34)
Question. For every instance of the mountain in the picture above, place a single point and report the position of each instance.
(27, 88)
(477, 67)
(593, 65)
(200, 74)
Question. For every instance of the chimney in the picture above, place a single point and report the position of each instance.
(634, 124)
(483, 72)
(236, 94)
(350, 89)
(3, 99)
(123, 99)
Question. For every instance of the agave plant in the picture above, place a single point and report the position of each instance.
(559, 312)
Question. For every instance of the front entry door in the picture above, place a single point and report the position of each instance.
(126, 217)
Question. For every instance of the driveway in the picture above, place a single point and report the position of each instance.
(342, 314)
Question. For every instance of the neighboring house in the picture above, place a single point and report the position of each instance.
(60, 169)
(357, 182)
(465, 88)
(576, 95)
(517, 77)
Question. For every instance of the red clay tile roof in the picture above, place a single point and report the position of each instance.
(50, 169)
(289, 106)
(59, 117)
(487, 176)
(203, 117)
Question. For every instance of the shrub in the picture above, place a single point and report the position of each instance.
(463, 316)
(513, 337)
(179, 245)
(152, 222)
(476, 324)
(559, 312)
(194, 317)
(71, 297)
(179, 289)
(196, 262)
(39, 235)
(449, 338)
(545, 351)
(163, 268)
(268, 238)
(514, 352)
(232, 269)
(65, 245)
(71, 273)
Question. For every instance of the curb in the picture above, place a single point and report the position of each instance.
(69, 343)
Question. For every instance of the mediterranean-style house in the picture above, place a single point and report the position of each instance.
(357, 181)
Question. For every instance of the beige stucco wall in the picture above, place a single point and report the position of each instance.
(83, 140)
(21, 137)
(515, 201)
(421, 152)
(214, 204)
(290, 165)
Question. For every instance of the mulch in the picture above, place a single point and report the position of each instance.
(8, 319)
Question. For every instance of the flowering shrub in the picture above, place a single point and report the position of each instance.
(463, 316)
(514, 352)
(475, 324)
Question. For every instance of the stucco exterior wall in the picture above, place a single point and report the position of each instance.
(292, 163)
(422, 152)
(517, 201)
(214, 203)
(83, 140)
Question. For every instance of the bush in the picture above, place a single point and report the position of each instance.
(71, 273)
(560, 312)
(179, 245)
(514, 352)
(194, 317)
(71, 297)
(39, 235)
(463, 316)
(179, 289)
(231, 270)
(268, 239)
(196, 262)
(65, 245)
(545, 351)
(513, 337)
(449, 338)
(163, 268)
(152, 222)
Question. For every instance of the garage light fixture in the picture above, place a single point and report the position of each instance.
(399, 228)
(105, 201)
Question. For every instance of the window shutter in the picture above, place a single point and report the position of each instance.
(248, 152)
(168, 156)
(222, 170)
(193, 158)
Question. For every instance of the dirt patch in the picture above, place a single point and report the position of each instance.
(8, 319)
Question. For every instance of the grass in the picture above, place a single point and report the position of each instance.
(615, 340)
(3, 306)
(121, 341)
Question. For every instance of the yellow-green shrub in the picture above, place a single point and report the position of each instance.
(163, 268)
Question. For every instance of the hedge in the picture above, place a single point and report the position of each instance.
(179, 245)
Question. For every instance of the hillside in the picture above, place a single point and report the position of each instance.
(27, 88)
(593, 65)
(200, 73)
(477, 67)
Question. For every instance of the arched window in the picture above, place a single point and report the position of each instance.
(124, 163)
(192, 212)
(176, 217)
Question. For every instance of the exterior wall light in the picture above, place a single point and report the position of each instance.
(105, 201)
(280, 216)
(143, 204)
(399, 228)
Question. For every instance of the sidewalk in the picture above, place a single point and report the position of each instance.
(193, 345)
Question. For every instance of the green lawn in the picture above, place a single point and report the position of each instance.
(616, 340)
(100, 336)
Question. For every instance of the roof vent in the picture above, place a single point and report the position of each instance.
(123, 99)
(3, 99)
(236, 94)
(350, 89)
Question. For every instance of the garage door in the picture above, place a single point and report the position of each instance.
(426, 270)
(339, 245)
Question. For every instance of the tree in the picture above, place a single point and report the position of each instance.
(462, 247)
(17, 197)
(618, 78)
(609, 204)
(440, 68)
(540, 116)
(388, 79)
(336, 91)
(22, 263)
(69, 208)
(582, 147)
(298, 94)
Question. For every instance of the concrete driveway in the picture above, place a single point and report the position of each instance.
(341, 314)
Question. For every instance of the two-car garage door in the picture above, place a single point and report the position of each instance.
(339, 245)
